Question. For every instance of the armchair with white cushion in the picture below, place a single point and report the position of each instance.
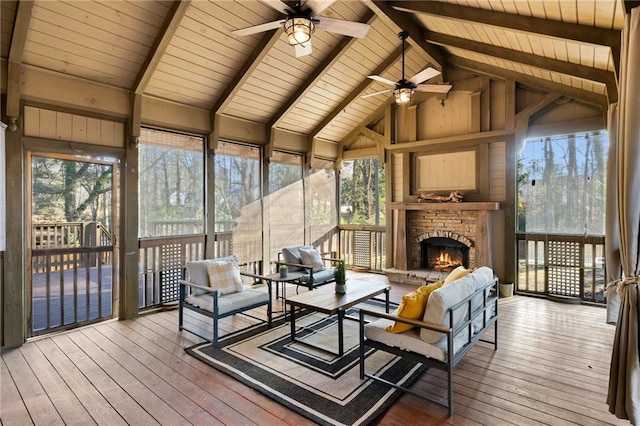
(215, 288)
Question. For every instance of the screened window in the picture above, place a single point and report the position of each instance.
(561, 185)
(238, 208)
(170, 184)
(321, 200)
(286, 202)
(362, 192)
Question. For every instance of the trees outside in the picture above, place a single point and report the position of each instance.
(362, 192)
(170, 184)
(561, 185)
(70, 191)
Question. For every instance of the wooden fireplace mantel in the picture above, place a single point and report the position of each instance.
(470, 206)
(481, 212)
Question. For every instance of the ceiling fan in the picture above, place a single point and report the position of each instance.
(302, 20)
(405, 88)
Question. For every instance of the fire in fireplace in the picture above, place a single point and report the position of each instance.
(443, 254)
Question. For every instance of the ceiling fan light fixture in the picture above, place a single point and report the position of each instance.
(403, 95)
(299, 30)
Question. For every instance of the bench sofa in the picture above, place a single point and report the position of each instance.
(456, 317)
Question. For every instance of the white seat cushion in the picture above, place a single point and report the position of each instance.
(410, 340)
(230, 302)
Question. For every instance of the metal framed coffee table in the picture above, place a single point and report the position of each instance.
(325, 300)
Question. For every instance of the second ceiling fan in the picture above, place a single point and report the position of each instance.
(404, 88)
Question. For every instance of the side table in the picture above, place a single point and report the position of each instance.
(292, 277)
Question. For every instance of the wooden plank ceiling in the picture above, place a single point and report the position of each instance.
(184, 52)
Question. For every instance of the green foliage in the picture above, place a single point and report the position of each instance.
(341, 277)
(71, 191)
(362, 192)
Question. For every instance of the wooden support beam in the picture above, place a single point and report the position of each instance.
(564, 30)
(164, 37)
(261, 50)
(479, 137)
(583, 95)
(587, 73)
(357, 92)
(522, 118)
(320, 71)
(375, 136)
(407, 22)
(14, 71)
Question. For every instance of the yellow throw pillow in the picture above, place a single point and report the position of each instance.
(457, 273)
(428, 289)
(412, 306)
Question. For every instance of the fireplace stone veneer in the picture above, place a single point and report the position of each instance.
(466, 222)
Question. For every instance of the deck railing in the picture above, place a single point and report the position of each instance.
(69, 235)
(363, 247)
(562, 266)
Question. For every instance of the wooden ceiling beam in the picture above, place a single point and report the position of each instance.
(630, 4)
(406, 22)
(318, 73)
(587, 73)
(546, 85)
(248, 67)
(163, 39)
(564, 30)
(14, 69)
(355, 94)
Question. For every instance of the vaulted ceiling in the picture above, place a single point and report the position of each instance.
(185, 52)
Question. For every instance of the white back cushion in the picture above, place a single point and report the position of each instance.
(438, 304)
(311, 257)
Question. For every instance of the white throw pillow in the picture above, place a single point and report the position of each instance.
(440, 301)
(225, 277)
(312, 257)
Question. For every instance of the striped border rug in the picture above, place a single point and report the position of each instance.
(317, 384)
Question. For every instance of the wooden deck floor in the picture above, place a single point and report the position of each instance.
(551, 368)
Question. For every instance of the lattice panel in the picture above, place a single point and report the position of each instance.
(172, 258)
(564, 273)
(362, 249)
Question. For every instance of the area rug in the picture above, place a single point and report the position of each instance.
(314, 382)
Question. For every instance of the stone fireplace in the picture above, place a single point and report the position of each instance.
(460, 229)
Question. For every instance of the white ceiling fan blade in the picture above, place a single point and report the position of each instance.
(317, 6)
(434, 88)
(424, 75)
(278, 5)
(258, 28)
(382, 80)
(348, 28)
(376, 93)
(303, 50)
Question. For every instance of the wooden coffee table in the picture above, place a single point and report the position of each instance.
(324, 299)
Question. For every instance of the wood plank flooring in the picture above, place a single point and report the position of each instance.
(551, 368)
